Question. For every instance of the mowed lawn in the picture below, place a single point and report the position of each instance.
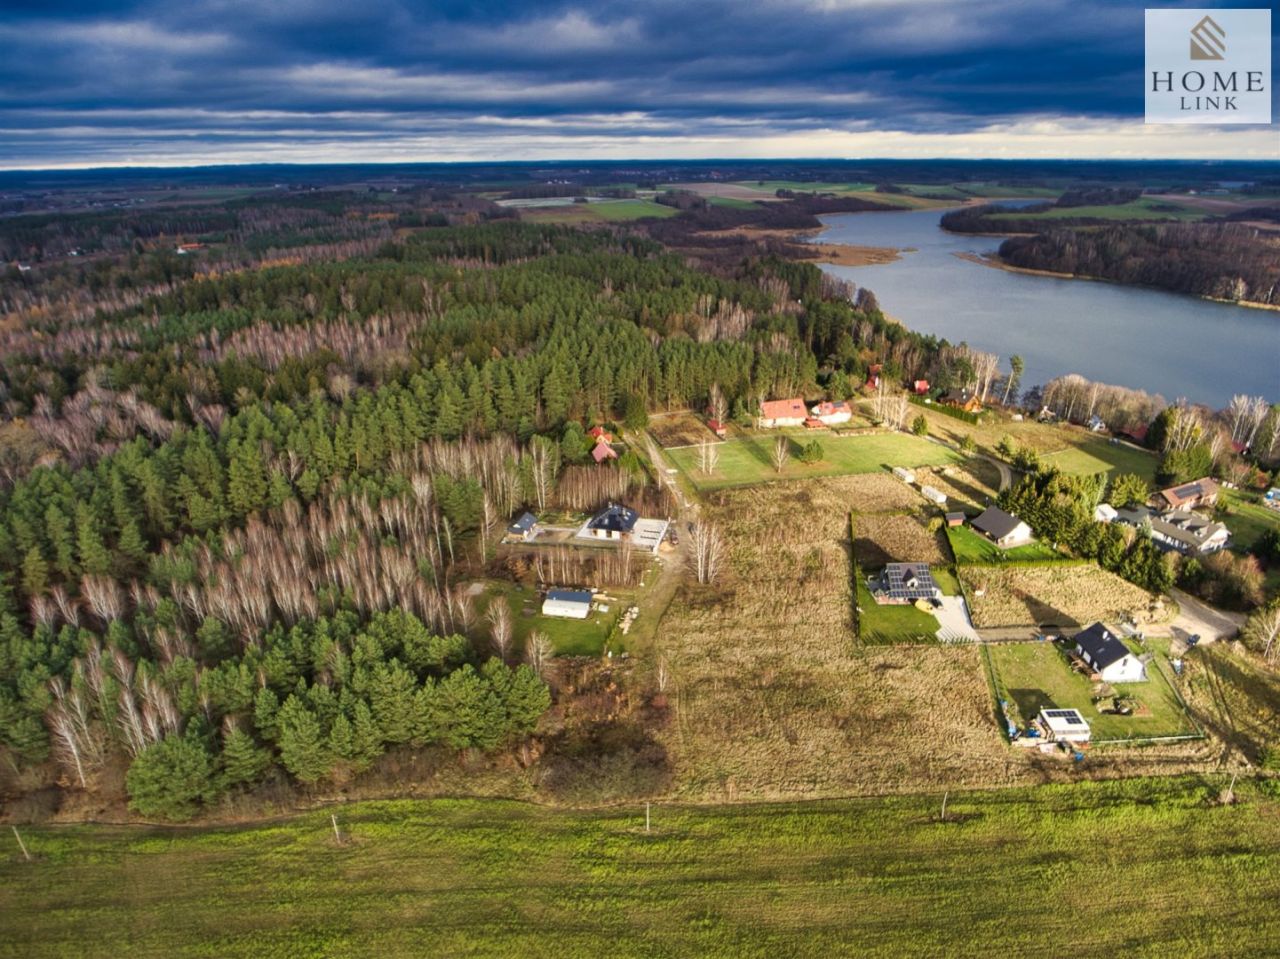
(1098, 455)
(890, 625)
(1132, 868)
(747, 460)
(971, 547)
(1033, 676)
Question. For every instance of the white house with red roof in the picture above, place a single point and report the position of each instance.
(832, 413)
(774, 413)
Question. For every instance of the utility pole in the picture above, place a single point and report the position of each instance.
(944, 804)
(337, 834)
(21, 845)
(646, 818)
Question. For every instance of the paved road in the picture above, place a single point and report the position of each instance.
(1196, 617)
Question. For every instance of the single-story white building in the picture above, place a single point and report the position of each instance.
(567, 603)
(1109, 657)
(1104, 513)
(1064, 725)
(904, 474)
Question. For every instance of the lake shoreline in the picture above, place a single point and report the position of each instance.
(996, 263)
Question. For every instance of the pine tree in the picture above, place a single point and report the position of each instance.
(92, 551)
(247, 480)
(367, 739)
(242, 761)
(303, 749)
(171, 778)
(35, 572)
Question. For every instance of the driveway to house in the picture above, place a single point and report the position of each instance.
(1197, 618)
(954, 625)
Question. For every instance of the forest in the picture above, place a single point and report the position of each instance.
(1225, 261)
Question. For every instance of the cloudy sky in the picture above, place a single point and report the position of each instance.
(94, 83)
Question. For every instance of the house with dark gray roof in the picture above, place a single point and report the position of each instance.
(1108, 656)
(613, 522)
(1178, 530)
(1003, 529)
(524, 527)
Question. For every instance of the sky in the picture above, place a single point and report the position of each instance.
(95, 83)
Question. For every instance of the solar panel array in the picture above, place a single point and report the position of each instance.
(1070, 716)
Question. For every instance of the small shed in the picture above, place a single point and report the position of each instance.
(718, 428)
(933, 495)
(904, 474)
(1064, 725)
(567, 603)
(955, 519)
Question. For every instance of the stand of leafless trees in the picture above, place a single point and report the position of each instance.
(563, 566)
(706, 551)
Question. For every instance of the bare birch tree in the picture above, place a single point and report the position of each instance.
(499, 617)
(708, 457)
(708, 550)
(781, 453)
(538, 652)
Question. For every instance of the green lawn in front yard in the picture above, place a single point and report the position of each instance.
(971, 547)
(1099, 455)
(747, 460)
(1032, 676)
(889, 625)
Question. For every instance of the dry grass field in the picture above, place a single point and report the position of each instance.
(680, 429)
(773, 696)
(1063, 593)
(973, 486)
(896, 538)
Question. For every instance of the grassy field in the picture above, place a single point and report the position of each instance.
(1066, 594)
(746, 460)
(1247, 518)
(1033, 676)
(970, 547)
(1097, 455)
(1237, 698)
(1144, 208)
(1142, 869)
(774, 695)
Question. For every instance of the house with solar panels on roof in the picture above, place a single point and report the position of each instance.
(903, 583)
(618, 525)
(1194, 495)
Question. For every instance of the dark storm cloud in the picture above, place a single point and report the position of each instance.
(116, 81)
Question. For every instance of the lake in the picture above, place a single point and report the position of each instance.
(1160, 342)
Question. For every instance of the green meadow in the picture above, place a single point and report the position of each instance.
(1146, 868)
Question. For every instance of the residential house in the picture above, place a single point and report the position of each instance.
(598, 433)
(1108, 657)
(1003, 529)
(1096, 424)
(961, 400)
(567, 603)
(903, 583)
(603, 451)
(1180, 530)
(524, 528)
(1063, 725)
(832, 413)
(1194, 495)
(774, 413)
(612, 522)
(920, 387)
